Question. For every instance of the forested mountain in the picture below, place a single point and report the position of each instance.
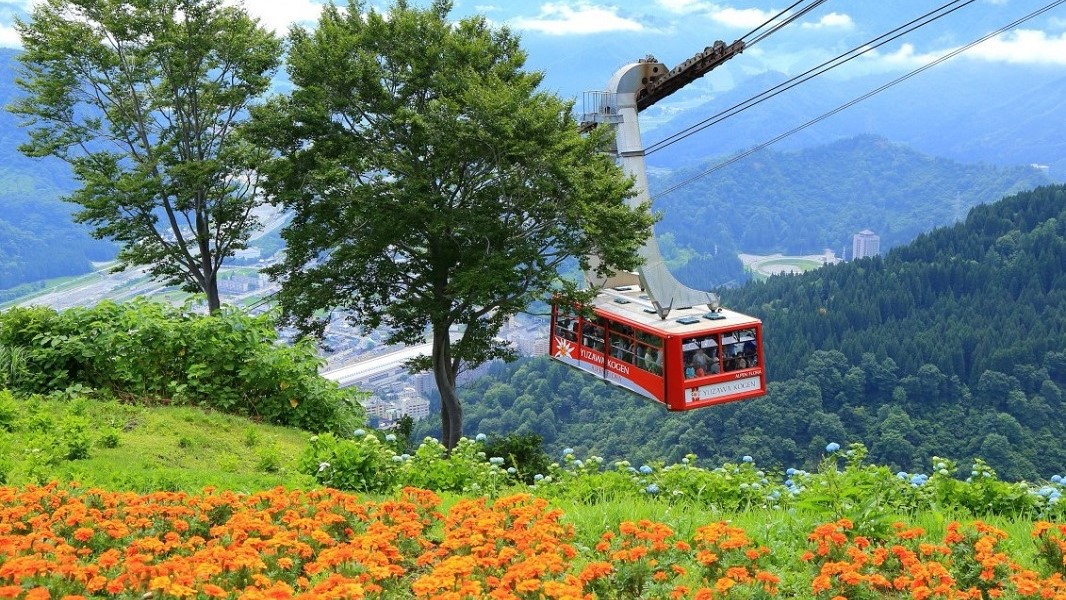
(804, 201)
(38, 240)
(953, 345)
(969, 112)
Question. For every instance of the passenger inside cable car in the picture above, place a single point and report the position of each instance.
(684, 363)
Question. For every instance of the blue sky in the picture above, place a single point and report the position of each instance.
(579, 43)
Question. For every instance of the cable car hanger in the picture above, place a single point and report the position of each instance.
(633, 88)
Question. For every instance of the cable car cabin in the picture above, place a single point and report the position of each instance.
(692, 359)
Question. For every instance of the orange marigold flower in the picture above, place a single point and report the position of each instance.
(724, 584)
(213, 590)
(738, 574)
(38, 593)
(953, 536)
(595, 570)
(10, 591)
(95, 583)
(807, 556)
(705, 557)
(678, 592)
(660, 576)
(768, 580)
(83, 534)
(821, 583)
(1040, 527)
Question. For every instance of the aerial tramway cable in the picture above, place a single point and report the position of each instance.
(828, 65)
(874, 92)
(777, 27)
(772, 19)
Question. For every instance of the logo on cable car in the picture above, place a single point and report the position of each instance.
(725, 388)
(563, 347)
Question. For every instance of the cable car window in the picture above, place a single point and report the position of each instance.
(652, 359)
(622, 344)
(740, 352)
(566, 324)
(638, 348)
(701, 356)
(592, 331)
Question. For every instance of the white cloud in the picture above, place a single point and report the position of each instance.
(1022, 46)
(278, 16)
(741, 17)
(685, 6)
(582, 18)
(834, 20)
(906, 57)
(9, 38)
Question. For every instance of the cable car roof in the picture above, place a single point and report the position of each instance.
(632, 304)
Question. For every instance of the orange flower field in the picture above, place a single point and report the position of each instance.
(61, 542)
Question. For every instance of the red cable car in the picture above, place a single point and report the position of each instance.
(694, 358)
(651, 334)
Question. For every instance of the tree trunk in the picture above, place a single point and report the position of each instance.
(214, 303)
(451, 414)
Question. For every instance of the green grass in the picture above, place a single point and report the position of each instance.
(795, 262)
(147, 448)
(158, 448)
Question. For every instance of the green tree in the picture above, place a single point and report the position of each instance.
(144, 99)
(433, 185)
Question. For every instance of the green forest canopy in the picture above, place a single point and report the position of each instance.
(952, 345)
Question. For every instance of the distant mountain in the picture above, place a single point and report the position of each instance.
(950, 346)
(38, 240)
(805, 201)
(966, 112)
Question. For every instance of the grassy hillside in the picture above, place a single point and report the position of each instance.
(119, 446)
(472, 529)
(144, 497)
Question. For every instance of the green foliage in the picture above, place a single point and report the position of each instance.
(950, 346)
(489, 189)
(801, 202)
(363, 464)
(122, 446)
(174, 185)
(523, 452)
(9, 410)
(465, 469)
(866, 495)
(231, 362)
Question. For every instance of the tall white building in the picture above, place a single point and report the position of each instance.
(865, 243)
(413, 404)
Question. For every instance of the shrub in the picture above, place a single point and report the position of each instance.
(467, 469)
(522, 451)
(9, 411)
(363, 464)
(231, 362)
